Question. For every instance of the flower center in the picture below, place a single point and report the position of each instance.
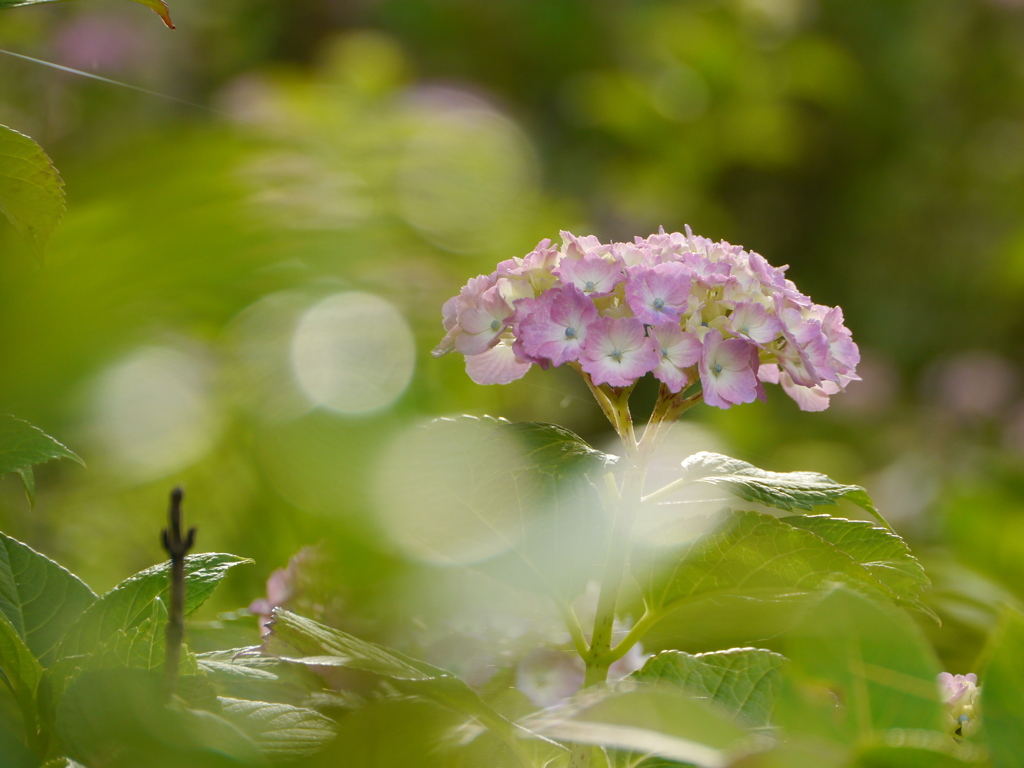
(570, 332)
(716, 369)
(589, 286)
(664, 352)
(658, 303)
(495, 325)
(617, 356)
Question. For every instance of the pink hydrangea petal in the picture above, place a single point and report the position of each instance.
(617, 352)
(556, 327)
(753, 321)
(726, 372)
(659, 293)
(498, 365)
(594, 275)
(678, 350)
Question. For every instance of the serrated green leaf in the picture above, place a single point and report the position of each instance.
(31, 190)
(281, 731)
(743, 552)
(884, 554)
(304, 641)
(138, 647)
(157, 6)
(23, 445)
(649, 719)
(782, 490)
(557, 451)
(1002, 699)
(129, 603)
(21, 671)
(866, 657)
(28, 482)
(119, 717)
(741, 680)
(244, 674)
(41, 599)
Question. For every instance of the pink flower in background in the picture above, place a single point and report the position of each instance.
(618, 352)
(960, 695)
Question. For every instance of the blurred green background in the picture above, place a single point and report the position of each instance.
(246, 287)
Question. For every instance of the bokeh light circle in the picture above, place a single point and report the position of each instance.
(353, 353)
(152, 412)
(445, 495)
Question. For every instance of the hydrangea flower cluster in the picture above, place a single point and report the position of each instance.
(676, 305)
(960, 694)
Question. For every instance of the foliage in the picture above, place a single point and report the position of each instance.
(855, 143)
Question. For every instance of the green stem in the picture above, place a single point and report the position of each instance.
(572, 623)
(648, 620)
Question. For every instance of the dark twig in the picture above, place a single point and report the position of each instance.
(177, 548)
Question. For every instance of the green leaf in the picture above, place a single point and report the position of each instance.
(243, 673)
(280, 731)
(304, 641)
(742, 680)
(867, 656)
(514, 500)
(782, 490)
(744, 552)
(41, 599)
(118, 717)
(28, 482)
(31, 190)
(884, 554)
(130, 602)
(23, 445)
(1002, 697)
(157, 6)
(21, 671)
(649, 719)
(138, 647)
(557, 451)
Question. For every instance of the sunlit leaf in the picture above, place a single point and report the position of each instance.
(783, 490)
(41, 599)
(744, 552)
(864, 660)
(129, 603)
(119, 716)
(20, 670)
(31, 190)
(22, 446)
(242, 673)
(648, 719)
(139, 647)
(305, 641)
(1002, 700)
(280, 730)
(514, 500)
(742, 680)
(884, 554)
